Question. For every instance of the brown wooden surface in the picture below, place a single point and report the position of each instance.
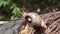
(52, 21)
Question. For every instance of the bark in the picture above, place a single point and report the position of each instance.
(52, 21)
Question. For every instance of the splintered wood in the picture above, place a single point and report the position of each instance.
(27, 30)
(52, 21)
(53, 27)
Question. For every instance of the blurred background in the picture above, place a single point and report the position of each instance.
(11, 9)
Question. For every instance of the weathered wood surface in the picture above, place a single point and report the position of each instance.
(12, 27)
(52, 21)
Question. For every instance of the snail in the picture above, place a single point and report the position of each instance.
(34, 18)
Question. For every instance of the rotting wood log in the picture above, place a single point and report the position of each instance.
(52, 21)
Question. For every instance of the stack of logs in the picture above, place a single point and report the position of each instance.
(52, 21)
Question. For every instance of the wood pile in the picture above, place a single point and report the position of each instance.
(52, 21)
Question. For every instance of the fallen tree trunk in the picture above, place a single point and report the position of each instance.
(52, 21)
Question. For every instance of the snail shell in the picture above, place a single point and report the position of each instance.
(35, 19)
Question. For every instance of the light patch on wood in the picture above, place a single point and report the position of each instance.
(3, 22)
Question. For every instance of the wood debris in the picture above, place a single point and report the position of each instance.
(52, 21)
